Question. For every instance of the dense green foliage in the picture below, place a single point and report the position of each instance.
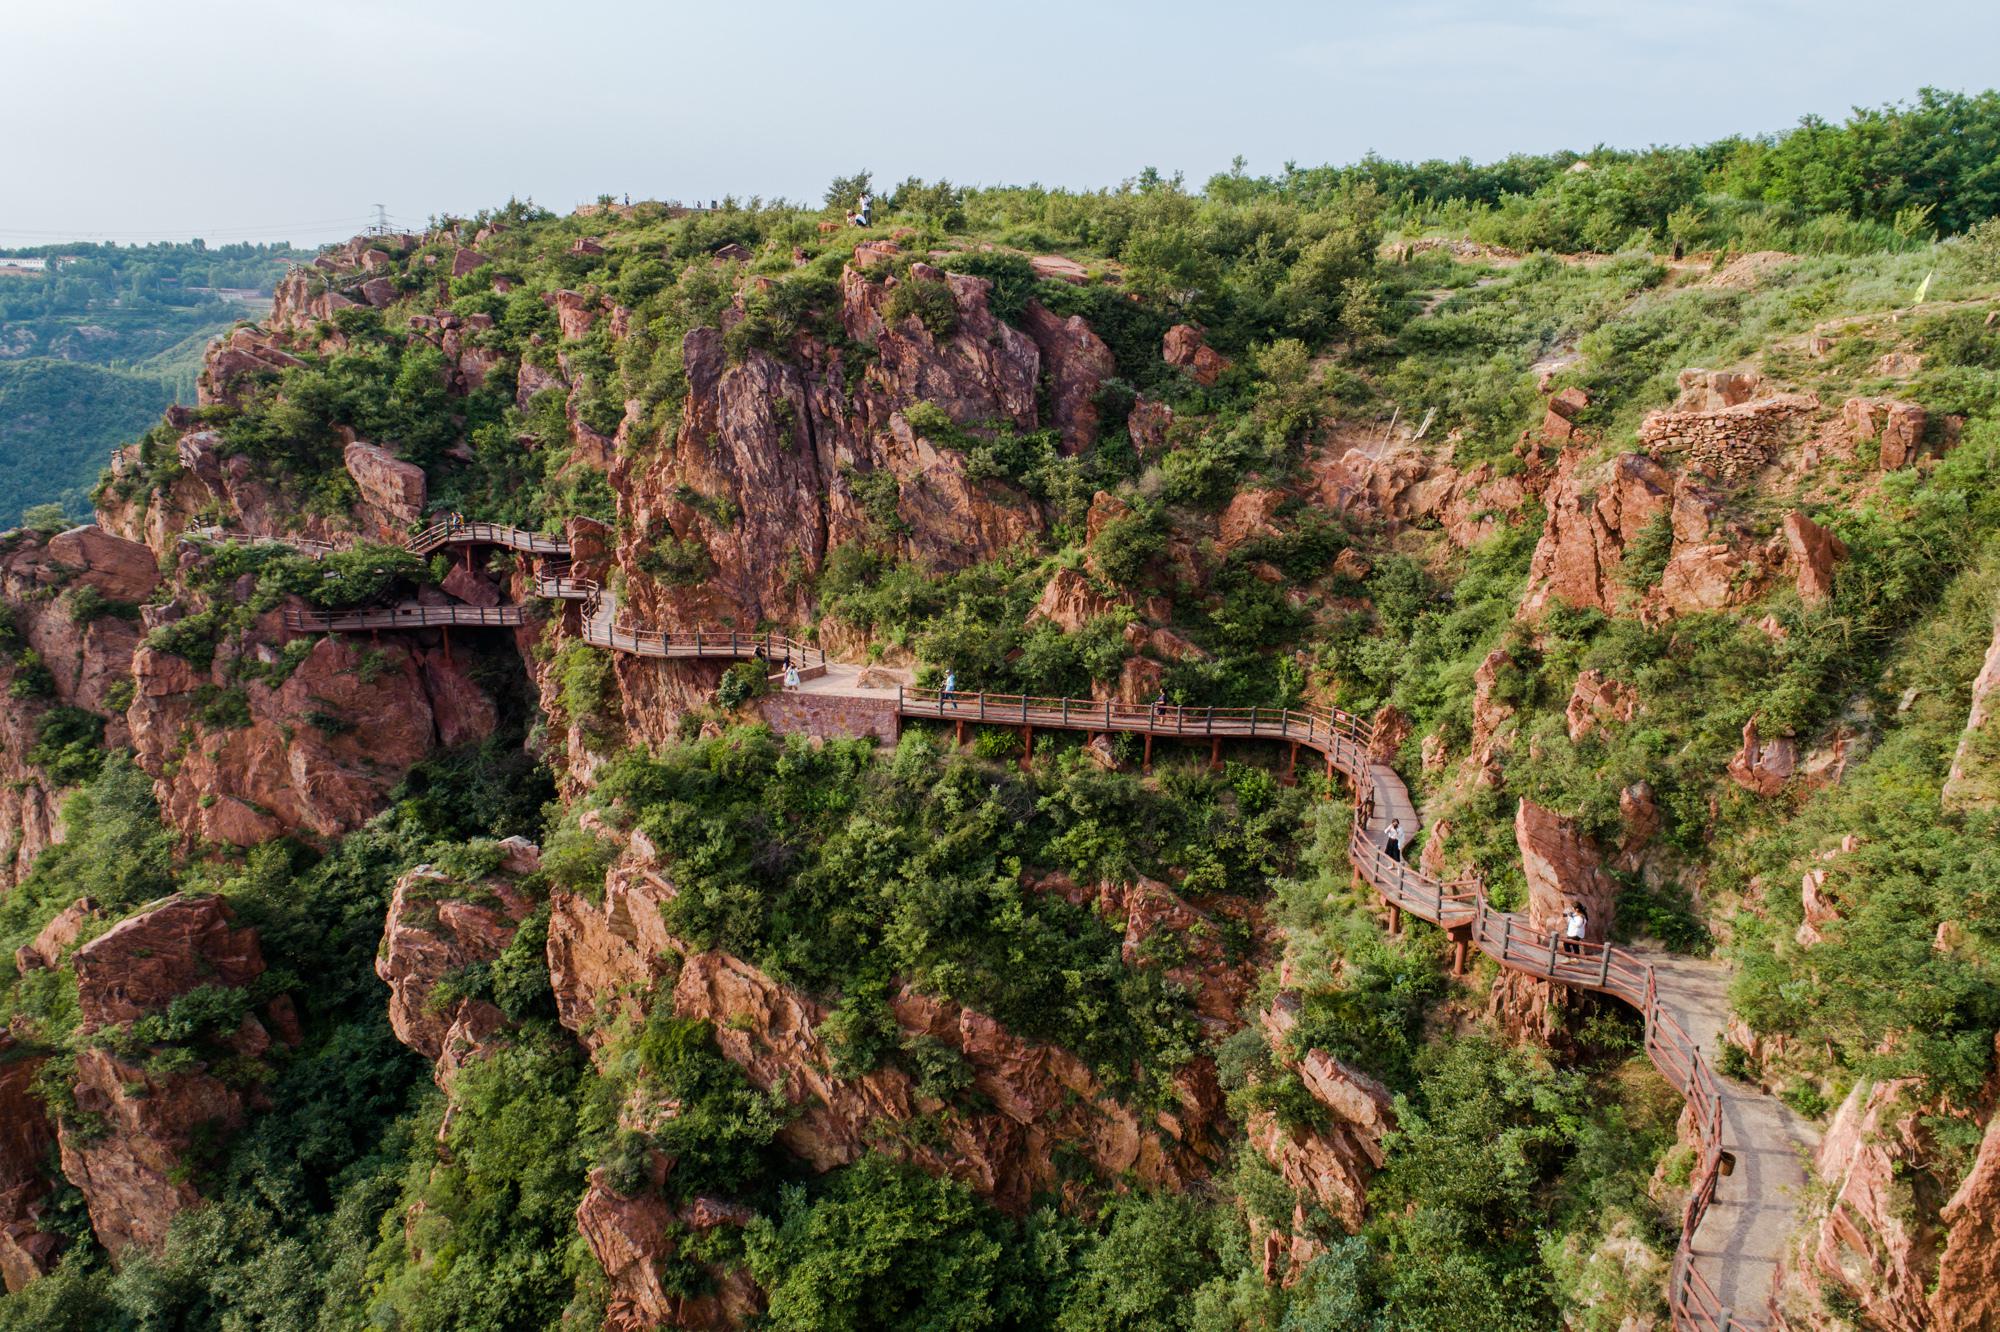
(93, 346)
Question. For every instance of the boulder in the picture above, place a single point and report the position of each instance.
(1249, 516)
(1184, 346)
(1070, 602)
(392, 491)
(142, 964)
(45, 951)
(634, 1237)
(1763, 766)
(122, 570)
(471, 587)
(1559, 422)
(1814, 553)
(1595, 700)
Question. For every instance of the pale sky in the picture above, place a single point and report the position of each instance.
(274, 120)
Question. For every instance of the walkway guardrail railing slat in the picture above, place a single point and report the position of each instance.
(1508, 937)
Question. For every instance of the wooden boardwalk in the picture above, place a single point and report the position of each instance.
(1724, 1267)
(1725, 1263)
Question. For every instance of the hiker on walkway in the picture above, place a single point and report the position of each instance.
(1392, 841)
(946, 695)
(1160, 704)
(791, 676)
(1575, 925)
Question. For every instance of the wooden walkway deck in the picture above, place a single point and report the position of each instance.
(1720, 1286)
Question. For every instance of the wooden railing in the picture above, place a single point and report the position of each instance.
(308, 546)
(1458, 906)
(455, 530)
(724, 644)
(408, 616)
(555, 580)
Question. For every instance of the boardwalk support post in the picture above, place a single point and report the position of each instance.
(1148, 765)
(1027, 746)
(1395, 919)
(1215, 754)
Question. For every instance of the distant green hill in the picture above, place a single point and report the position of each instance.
(58, 422)
(95, 346)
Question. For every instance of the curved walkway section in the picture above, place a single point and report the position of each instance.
(1746, 1176)
(1714, 1275)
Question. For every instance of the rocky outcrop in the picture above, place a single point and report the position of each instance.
(1184, 346)
(1974, 779)
(1396, 484)
(1593, 515)
(127, 1146)
(1895, 425)
(1562, 868)
(392, 491)
(1069, 602)
(1041, 1095)
(144, 963)
(1871, 1243)
(779, 461)
(632, 1236)
(245, 356)
(131, 1164)
(26, 1138)
(1815, 552)
(1490, 713)
(1965, 1295)
(1762, 766)
(1153, 914)
(46, 950)
(1333, 1161)
(316, 754)
(1595, 700)
(1077, 363)
(436, 928)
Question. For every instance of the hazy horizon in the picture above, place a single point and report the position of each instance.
(228, 121)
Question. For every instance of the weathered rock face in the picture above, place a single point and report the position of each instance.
(1332, 1163)
(1185, 347)
(1763, 766)
(320, 751)
(1070, 602)
(143, 963)
(132, 1174)
(1966, 1294)
(244, 355)
(1814, 554)
(1078, 363)
(1871, 1243)
(1591, 520)
(435, 929)
(1596, 700)
(45, 951)
(1489, 711)
(392, 491)
(1149, 910)
(26, 1137)
(631, 1236)
(778, 462)
(1974, 780)
(1562, 868)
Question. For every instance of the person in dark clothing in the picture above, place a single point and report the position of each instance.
(1392, 841)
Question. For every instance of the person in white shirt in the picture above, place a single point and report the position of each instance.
(791, 676)
(1575, 925)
